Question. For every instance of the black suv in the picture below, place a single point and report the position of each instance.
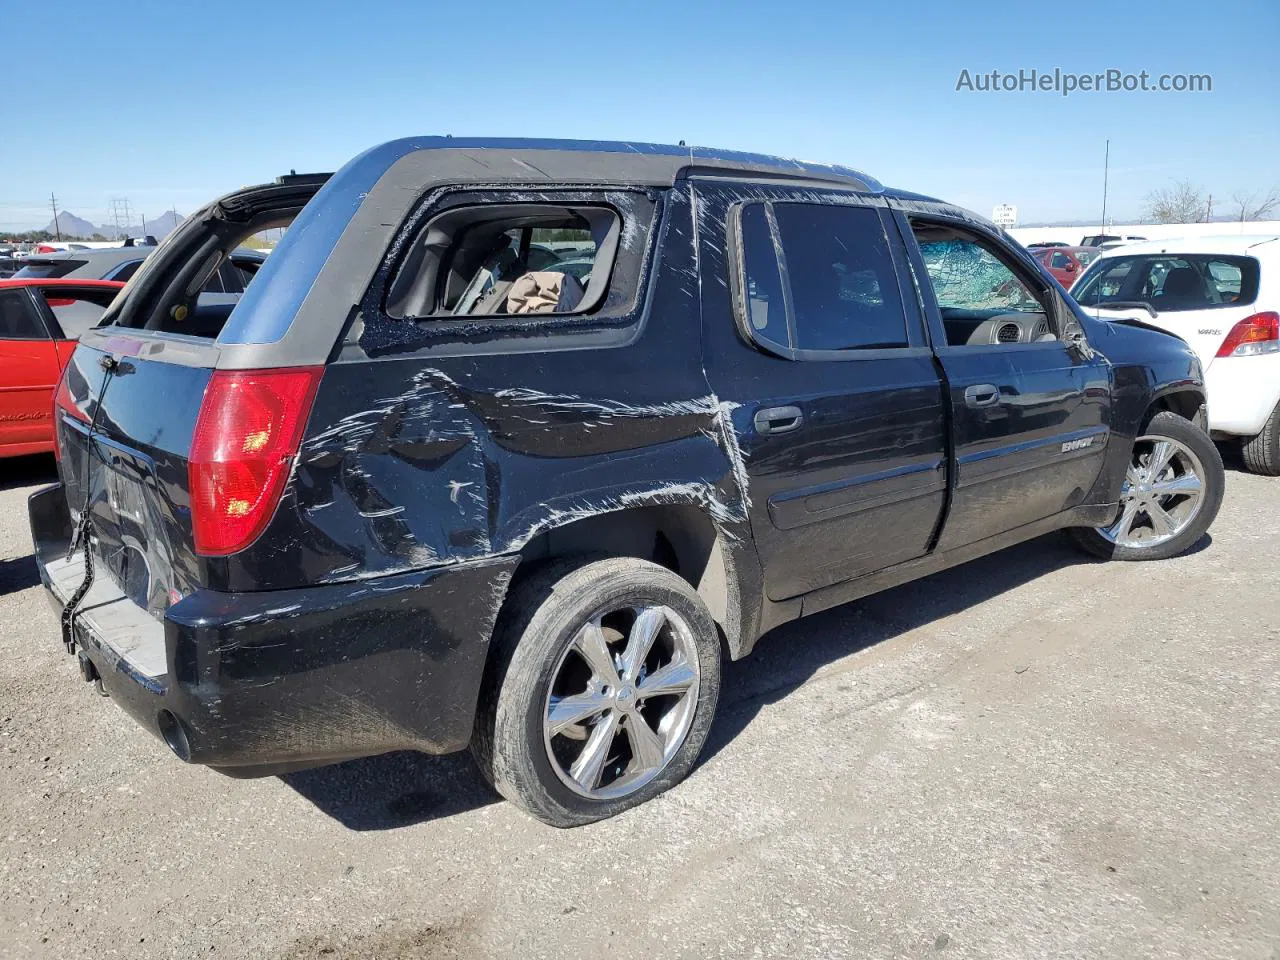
(509, 443)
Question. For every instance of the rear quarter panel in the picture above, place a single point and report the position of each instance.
(416, 456)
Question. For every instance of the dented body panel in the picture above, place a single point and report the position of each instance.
(440, 457)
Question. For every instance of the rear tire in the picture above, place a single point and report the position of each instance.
(601, 688)
(1153, 524)
(1262, 453)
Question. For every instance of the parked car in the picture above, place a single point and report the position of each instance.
(40, 321)
(1066, 264)
(412, 494)
(1101, 239)
(1221, 295)
(121, 263)
(1046, 243)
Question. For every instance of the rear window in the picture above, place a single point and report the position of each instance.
(1171, 283)
(76, 310)
(47, 269)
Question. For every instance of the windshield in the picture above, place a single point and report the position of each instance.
(1171, 283)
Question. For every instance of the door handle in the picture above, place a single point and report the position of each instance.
(981, 395)
(777, 419)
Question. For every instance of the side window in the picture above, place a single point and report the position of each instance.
(844, 288)
(1061, 261)
(125, 272)
(509, 260)
(18, 320)
(214, 283)
(982, 299)
(764, 306)
(841, 288)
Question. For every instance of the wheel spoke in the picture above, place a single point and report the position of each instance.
(646, 745)
(591, 644)
(1161, 453)
(566, 711)
(675, 677)
(587, 768)
(640, 641)
(1121, 529)
(1187, 484)
(1161, 522)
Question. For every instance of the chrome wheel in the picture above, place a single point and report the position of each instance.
(621, 701)
(1161, 495)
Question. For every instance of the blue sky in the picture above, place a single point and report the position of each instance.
(169, 107)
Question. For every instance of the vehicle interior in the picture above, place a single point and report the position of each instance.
(194, 295)
(982, 299)
(507, 260)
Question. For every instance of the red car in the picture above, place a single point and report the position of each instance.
(1066, 263)
(40, 321)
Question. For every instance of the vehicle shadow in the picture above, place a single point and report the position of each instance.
(403, 789)
(37, 469)
(787, 657)
(18, 573)
(394, 790)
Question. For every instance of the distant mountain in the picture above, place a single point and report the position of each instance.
(72, 226)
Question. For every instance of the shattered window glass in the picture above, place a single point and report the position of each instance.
(966, 276)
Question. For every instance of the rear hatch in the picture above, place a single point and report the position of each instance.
(130, 401)
(1200, 297)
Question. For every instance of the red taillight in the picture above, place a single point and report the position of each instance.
(1259, 333)
(247, 434)
(62, 399)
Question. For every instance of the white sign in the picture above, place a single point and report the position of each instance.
(1005, 215)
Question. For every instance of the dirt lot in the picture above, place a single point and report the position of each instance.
(1034, 755)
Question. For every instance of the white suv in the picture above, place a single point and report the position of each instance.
(1221, 295)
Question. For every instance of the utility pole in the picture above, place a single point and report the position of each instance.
(53, 202)
(1208, 209)
(1106, 166)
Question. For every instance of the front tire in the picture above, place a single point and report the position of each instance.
(1171, 494)
(1262, 453)
(601, 690)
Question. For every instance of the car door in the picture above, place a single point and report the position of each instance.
(28, 373)
(812, 335)
(1029, 408)
(1063, 267)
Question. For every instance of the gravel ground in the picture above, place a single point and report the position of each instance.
(1033, 755)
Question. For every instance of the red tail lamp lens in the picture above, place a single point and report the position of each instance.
(247, 434)
(1252, 335)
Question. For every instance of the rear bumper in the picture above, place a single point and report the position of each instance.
(1242, 393)
(259, 682)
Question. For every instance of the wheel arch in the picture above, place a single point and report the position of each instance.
(683, 538)
(1187, 402)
